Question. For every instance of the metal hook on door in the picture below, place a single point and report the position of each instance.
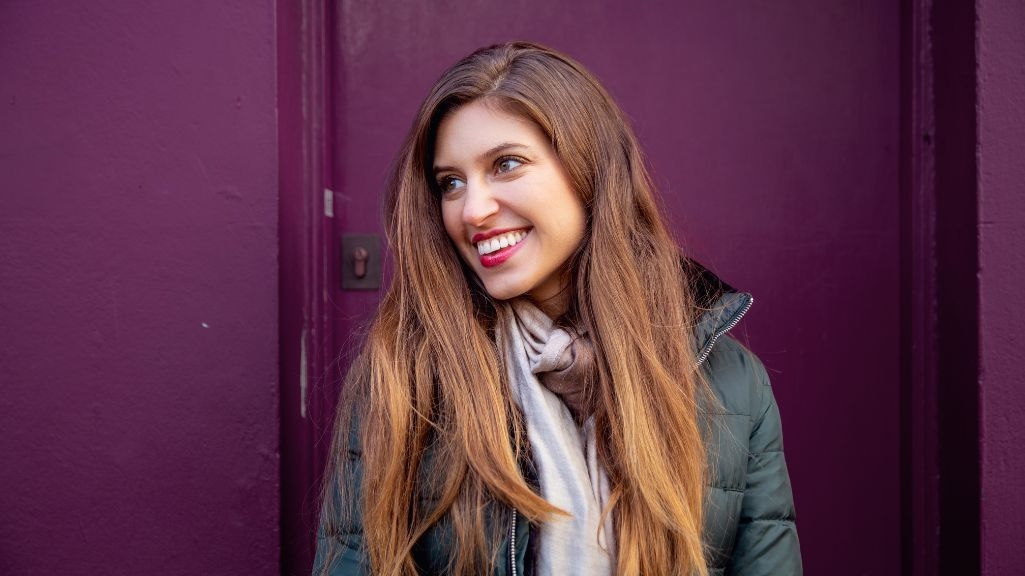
(359, 256)
(361, 262)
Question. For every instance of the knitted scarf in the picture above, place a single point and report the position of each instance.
(538, 353)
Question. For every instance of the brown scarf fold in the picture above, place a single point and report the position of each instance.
(574, 376)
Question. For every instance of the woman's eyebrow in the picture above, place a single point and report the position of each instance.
(487, 154)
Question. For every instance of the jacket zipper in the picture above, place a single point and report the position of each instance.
(512, 544)
(729, 326)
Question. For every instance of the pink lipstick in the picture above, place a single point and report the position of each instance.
(500, 256)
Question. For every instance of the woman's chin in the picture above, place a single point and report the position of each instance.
(503, 293)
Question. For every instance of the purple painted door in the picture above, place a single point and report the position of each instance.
(773, 133)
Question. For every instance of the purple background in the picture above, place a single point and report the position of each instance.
(140, 146)
(138, 288)
(1001, 233)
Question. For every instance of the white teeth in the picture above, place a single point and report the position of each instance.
(498, 242)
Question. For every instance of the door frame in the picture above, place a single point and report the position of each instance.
(919, 458)
(308, 392)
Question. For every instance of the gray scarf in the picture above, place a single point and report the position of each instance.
(564, 451)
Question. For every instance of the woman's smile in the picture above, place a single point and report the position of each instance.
(496, 240)
(495, 249)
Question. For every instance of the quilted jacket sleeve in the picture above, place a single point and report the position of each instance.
(340, 550)
(767, 540)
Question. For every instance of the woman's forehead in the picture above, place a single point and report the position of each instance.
(475, 129)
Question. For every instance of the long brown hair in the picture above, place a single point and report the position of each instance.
(430, 379)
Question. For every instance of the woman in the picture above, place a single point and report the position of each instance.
(547, 387)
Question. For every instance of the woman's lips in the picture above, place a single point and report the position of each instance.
(498, 257)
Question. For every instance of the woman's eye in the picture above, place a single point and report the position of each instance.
(507, 164)
(450, 183)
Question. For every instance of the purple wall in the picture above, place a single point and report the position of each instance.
(1001, 133)
(138, 288)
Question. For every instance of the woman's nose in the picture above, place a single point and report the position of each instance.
(479, 204)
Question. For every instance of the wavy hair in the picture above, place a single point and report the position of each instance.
(429, 383)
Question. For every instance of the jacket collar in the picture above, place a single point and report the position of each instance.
(719, 307)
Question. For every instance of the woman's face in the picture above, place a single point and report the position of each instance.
(506, 202)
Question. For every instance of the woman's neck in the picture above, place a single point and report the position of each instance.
(553, 306)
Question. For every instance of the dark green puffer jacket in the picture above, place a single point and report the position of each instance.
(749, 520)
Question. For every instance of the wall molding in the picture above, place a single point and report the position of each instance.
(305, 234)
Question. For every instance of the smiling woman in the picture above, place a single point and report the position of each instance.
(548, 387)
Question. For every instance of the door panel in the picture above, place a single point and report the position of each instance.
(773, 134)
